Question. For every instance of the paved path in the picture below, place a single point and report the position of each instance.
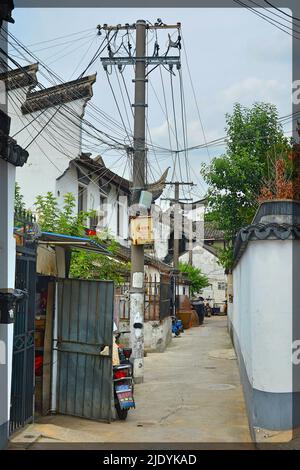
(191, 394)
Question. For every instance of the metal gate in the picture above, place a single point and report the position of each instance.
(22, 387)
(165, 299)
(84, 348)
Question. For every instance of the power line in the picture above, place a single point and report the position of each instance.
(281, 11)
(117, 105)
(266, 18)
(61, 150)
(123, 100)
(107, 118)
(278, 16)
(61, 37)
(69, 109)
(195, 98)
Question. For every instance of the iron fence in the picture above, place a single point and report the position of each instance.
(157, 299)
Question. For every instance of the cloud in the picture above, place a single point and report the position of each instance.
(253, 89)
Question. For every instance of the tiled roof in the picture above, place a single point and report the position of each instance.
(10, 151)
(20, 77)
(212, 233)
(124, 253)
(59, 94)
(105, 175)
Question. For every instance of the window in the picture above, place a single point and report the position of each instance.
(222, 285)
(94, 222)
(118, 217)
(103, 212)
(82, 198)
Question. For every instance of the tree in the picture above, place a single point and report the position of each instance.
(66, 220)
(255, 140)
(198, 279)
(84, 264)
(19, 200)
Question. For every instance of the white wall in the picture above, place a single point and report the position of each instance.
(69, 183)
(157, 334)
(52, 150)
(262, 312)
(183, 290)
(161, 233)
(162, 228)
(7, 281)
(208, 263)
(49, 166)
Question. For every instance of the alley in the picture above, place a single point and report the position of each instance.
(191, 393)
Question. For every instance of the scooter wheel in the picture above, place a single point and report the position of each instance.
(122, 414)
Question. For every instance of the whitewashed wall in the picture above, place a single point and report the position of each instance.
(161, 239)
(261, 325)
(208, 263)
(262, 312)
(52, 150)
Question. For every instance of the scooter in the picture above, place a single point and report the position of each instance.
(123, 381)
(177, 326)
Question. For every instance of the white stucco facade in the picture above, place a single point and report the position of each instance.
(51, 150)
(7, 282)
(54, 136)
(208, 263)
(262, 312)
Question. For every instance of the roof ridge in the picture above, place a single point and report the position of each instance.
(19, 70)
(45, 91)
(56, 95)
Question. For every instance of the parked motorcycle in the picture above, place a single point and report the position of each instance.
(123, 381)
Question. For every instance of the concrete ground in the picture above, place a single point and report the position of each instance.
(191, 394)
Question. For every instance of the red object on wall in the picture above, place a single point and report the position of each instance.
(90, 232)
(38, 365)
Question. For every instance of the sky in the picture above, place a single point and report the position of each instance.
(233, 56)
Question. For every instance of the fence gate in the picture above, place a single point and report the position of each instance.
(84, 329)
(22, 387)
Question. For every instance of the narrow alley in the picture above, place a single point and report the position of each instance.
(191, 394)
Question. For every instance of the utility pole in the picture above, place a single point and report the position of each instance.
(176, 232)
(137, 290)
(177, 229)
(140, 61)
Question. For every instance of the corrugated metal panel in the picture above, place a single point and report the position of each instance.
(85, 326)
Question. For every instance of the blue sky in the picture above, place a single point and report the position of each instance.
(233, 55)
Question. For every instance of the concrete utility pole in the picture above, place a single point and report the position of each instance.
(177, 232)
(140, 61)
(137, 291)
(177, 229)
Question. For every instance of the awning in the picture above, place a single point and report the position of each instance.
(82, 243)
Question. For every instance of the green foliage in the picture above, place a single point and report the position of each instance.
(225, 257)
(66, 220)
(19, 200)
(197, 278)
(84, 264)
(254, 140)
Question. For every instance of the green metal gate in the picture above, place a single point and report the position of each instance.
(84, 348)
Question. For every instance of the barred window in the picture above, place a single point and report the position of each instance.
(222, 285)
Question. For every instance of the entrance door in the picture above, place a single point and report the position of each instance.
(22, 387)
(84, 348)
